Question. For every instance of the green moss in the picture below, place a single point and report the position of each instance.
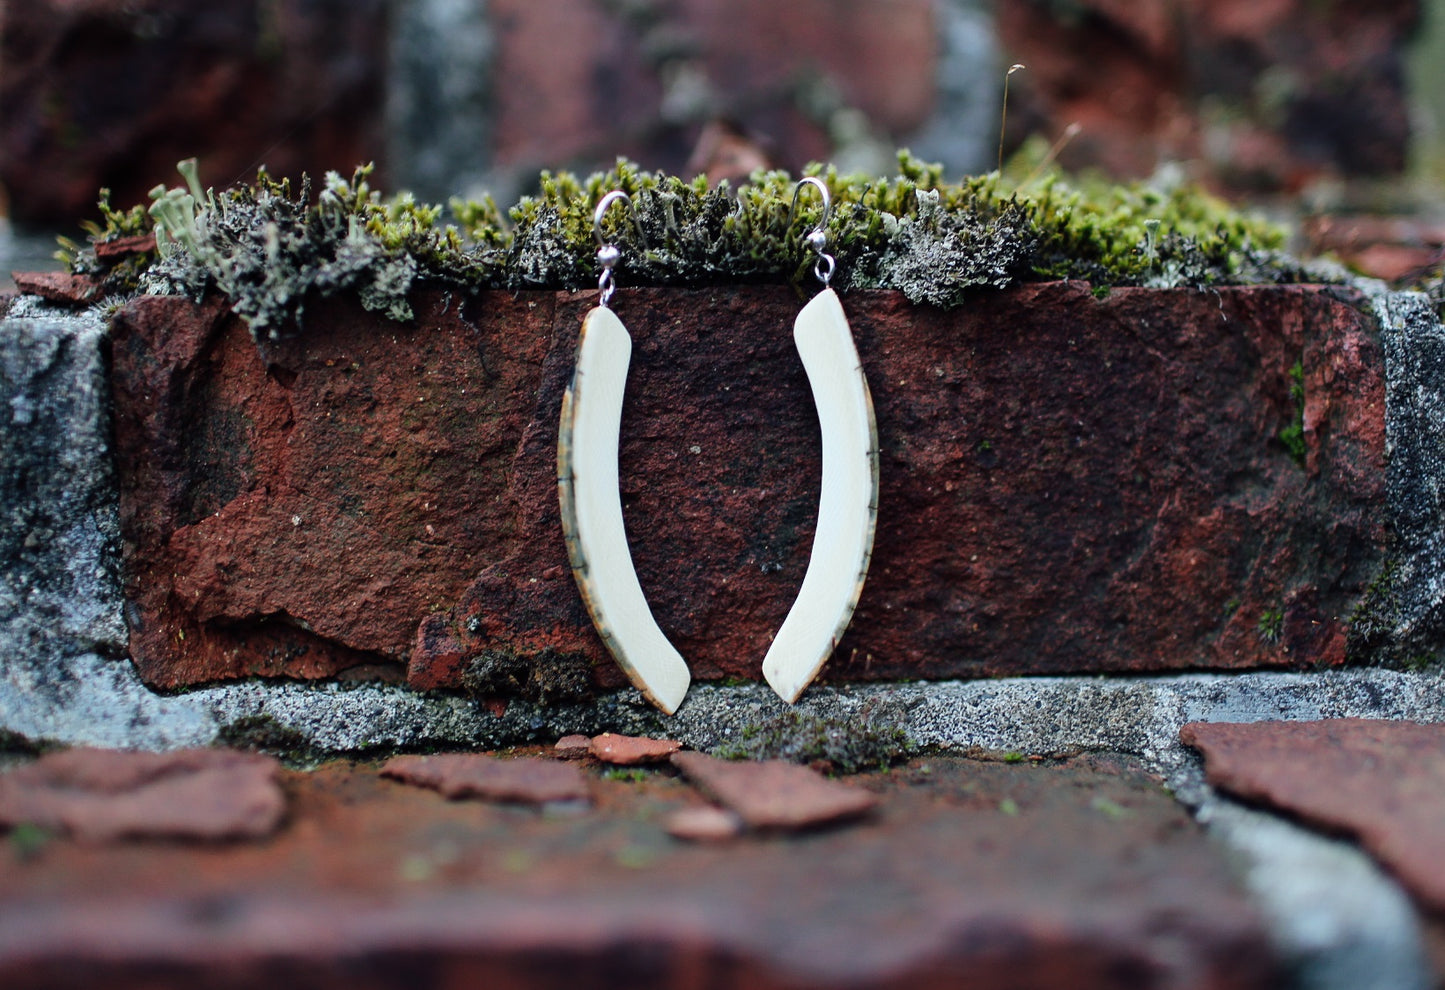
(28, 841)
(1111, 810)
(121, 275)
(1419, 662)
(269, 249)
(871, 738)
(1293, 435)
(1271, 625)
(264, 734)
(1375, 634)
(631, 775)
(548, 677)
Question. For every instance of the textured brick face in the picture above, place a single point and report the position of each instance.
(1083, 875)
(1068, 484)
(1379, 781)
(294, 512)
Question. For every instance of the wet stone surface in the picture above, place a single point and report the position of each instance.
(1079, 874)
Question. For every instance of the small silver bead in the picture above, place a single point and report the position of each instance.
(608, 256)
(818, 240)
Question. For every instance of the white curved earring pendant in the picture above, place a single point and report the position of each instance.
(848, 504)
(591, 501)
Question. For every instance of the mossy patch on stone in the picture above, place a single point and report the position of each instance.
(548, 677)
(268, 248)
(264, 734)
(13, 744)
(1293, 435)
(1375, 621)
(873, 738)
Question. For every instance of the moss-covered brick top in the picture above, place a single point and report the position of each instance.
(267, 248)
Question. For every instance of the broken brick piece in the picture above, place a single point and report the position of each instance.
(703, 824)
(125, 247)
(99, 795)
(572, 747)
(774, 793)
(1380, 780)
(58, 287)
(530, 780)
(631, 750)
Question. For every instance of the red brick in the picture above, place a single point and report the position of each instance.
(114, 92)
(1068, 484)
(100, 795)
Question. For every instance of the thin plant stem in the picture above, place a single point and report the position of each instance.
(1003, 115)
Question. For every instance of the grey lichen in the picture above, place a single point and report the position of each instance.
(268, 251)
(936, 255)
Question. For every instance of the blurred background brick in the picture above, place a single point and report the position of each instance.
(114, 92)
(460, 96)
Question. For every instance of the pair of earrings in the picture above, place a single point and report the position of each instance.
(587, 485)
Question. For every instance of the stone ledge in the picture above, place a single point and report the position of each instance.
(1083, 874)
(89, 700)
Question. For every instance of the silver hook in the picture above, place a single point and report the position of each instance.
(817, 238)
(608, 254)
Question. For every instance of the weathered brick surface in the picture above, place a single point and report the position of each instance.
(1084, 875)
(295, 513)
(101, 795)
(1068, 483)
(113, 92)
(589, 81)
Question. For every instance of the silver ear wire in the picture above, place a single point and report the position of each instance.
(817, 238)
(608, 254)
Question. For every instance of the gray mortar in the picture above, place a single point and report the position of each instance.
(59, 528)
(1404, 617)
(1329, 909)
(1332, 913)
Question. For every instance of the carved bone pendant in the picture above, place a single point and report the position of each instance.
(847, 507)
(587, 488)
